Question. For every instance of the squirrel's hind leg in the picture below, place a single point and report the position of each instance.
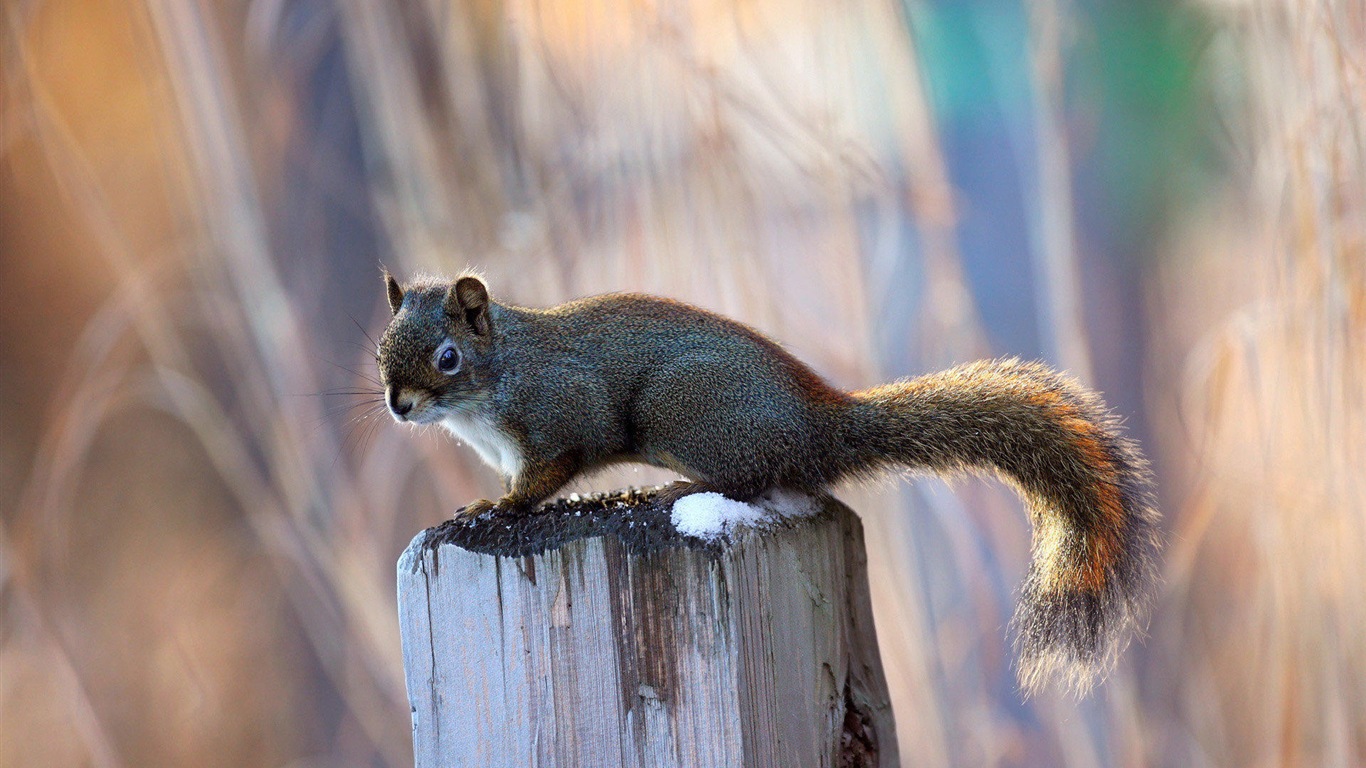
(667, 495)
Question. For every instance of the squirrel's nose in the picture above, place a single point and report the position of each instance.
(399, 406)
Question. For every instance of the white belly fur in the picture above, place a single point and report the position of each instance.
(493, 445)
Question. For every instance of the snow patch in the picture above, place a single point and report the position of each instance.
(711, 515)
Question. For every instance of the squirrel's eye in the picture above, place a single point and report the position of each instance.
(448, 360)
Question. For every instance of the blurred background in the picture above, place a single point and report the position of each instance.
(200, 510)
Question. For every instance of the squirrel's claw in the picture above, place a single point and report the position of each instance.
(474, 509)
(502, 507)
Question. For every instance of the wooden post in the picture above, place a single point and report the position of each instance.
(594, 633)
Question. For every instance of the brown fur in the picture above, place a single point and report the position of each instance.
(626, 377)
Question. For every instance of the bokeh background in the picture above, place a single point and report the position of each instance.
(200, 511)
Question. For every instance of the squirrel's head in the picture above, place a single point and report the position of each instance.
(432, 357)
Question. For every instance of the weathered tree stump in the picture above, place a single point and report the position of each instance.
(594, 633)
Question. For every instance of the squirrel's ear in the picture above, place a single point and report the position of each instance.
(395, 292)
(468, 300)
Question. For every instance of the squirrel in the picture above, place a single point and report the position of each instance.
(544, 395)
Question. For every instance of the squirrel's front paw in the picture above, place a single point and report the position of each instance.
(475, 509)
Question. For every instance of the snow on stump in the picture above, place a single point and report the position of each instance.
(611, 631)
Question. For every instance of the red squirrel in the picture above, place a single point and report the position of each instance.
(546, 394)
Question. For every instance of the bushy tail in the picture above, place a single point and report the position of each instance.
(1094, 562)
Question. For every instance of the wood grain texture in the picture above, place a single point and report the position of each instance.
(612, 647)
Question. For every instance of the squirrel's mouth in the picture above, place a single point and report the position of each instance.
(411, 406)
(424, 414)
